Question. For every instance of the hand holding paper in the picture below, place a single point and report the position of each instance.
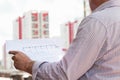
(22, 61)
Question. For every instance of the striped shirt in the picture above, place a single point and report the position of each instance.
(95, 52)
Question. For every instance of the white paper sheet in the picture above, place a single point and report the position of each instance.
(38, 49)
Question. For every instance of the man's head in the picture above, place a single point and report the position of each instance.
(95, 3)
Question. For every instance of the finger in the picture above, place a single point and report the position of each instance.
(15, 65)
(13, 52)
(13, 58)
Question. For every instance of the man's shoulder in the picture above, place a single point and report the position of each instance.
(107, 16)
(100, 15)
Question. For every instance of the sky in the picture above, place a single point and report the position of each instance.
(60, 11)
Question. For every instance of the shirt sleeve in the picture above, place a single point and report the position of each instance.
(80, 57)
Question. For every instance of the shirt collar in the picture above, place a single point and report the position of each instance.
(108, 4)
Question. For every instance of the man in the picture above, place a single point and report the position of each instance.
(93, 55)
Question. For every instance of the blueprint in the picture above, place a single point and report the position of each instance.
(47, 49)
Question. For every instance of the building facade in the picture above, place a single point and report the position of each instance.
(31, 25)
(68, 31)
